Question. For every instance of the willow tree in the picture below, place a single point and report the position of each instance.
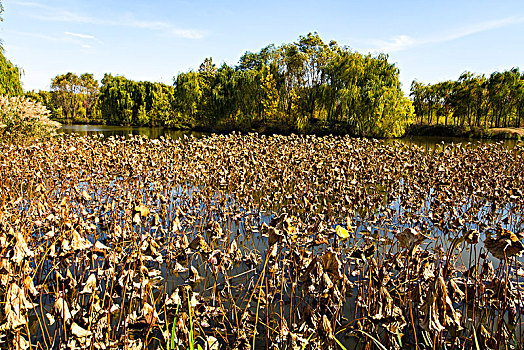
(75, 97)
(306, 85)
(306, 61)
(188, 96)
(116, 102)
(9, 77)
(363, 94)
(472, 100)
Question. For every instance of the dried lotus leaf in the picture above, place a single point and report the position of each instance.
(90, 285)
(199, 244)
(80, 332)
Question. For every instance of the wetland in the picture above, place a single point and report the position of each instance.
(244, 241)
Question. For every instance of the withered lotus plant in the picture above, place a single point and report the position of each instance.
(241, 241)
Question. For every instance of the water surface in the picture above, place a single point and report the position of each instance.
(111, 130)
(427, 142)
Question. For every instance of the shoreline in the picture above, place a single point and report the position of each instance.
(413, 130)
(509, 133)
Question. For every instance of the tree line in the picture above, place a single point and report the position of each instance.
(472, 100)
(305, 86)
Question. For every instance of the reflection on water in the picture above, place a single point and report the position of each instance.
(426, 142)
(110, 130)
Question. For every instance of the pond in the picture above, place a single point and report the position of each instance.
(277, 242)
(110, 130)
(427, 142)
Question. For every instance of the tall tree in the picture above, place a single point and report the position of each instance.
(89, 92)
(304, 86)
(9, 77)
(473, 100)
(65, 87)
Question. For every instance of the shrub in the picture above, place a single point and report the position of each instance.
(22, 120)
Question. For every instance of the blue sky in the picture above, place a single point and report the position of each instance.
(154, 40)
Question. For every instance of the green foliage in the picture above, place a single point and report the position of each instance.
(472, 100)
(142, 118)
(306, 86)
(22, 120)
(365, 95)
(73, 97)
(126, 102)
(9, 77)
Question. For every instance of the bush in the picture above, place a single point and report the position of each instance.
(22, 120)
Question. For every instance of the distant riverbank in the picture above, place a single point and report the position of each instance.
(464, 132)
(427, 141)
(414, 130)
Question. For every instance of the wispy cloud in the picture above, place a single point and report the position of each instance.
(483, 27)
(61, 15)
(83, 36)
(403, 42)
(397, 43)
(69, 37)
(186, 33)
(50, 13)
(162, 27)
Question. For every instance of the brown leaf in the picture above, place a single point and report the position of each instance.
(325, 328)
(79, 332)
(85, 196)
(15, 307)
(332, 264)
(505, 245)
(438, 309)
(62, 309)
(21, 250)
(90, 285)
(199, 244)
(78, 242)
(411, 238)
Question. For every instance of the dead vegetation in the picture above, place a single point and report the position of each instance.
(239, 242)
